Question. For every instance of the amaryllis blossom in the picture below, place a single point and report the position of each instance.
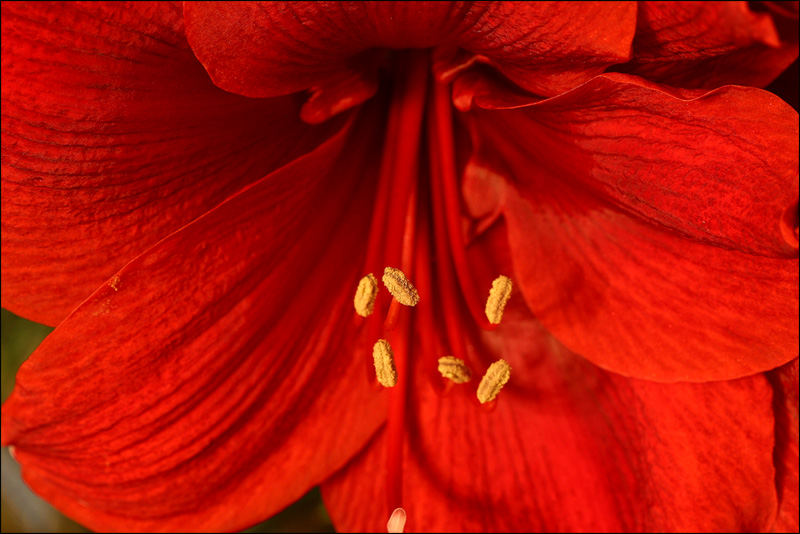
(193, 192)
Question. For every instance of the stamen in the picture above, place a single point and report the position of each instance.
(364, 301)
(444, 173)
(384, 363)
(455, 369)
(493, 381)
(399, 286)
(498, 297)
(397, 521)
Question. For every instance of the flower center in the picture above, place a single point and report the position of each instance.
(391, 242)
(405, 254)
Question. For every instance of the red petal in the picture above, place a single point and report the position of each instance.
(548, 48)
(785, 383)
(112, 137)
(275, 48)
(569, 447)
(488, 90)
(721, 168)
(708, 44)
(631, 206)
(206, 385)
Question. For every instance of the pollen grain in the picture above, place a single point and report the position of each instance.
(454, 369)
(398, 285)
(384, 363)
(498, 297)
(364, 300)
(493, 381)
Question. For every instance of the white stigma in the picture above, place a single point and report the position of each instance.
(397, 521)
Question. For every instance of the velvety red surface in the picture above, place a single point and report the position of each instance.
(192, 192)
(692, 44)
(114, 136)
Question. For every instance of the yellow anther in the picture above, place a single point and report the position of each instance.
(398, 285)
(493, 381)
(384, 363)
(498, 296)
(397, 521)
(455, 369)
(364, 301)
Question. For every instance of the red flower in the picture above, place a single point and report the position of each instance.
(199, 249)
